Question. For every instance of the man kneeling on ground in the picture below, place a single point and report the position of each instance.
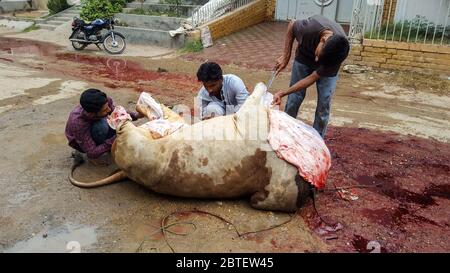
(221, 94)
(87, 129)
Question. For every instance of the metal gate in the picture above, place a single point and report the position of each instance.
(338, 10)
(411, 21)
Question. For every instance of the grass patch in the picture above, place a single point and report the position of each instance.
(420, 29)
(418, 81)
(193, 46)
(155, 12)
(432, 83)
(31, 28)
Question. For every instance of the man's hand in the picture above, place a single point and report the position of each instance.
(277, 98)
(280, 64)
(209, 117)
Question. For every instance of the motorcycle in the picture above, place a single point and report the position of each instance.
(84, 34)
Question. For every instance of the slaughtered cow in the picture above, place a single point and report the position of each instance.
(221, 158)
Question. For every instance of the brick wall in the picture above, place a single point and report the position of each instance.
(241, 18)
(401, 56)
(271, 6)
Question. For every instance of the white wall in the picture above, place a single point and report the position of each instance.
(41, 4)
(339, 10)
(15, 5)
(434, 10)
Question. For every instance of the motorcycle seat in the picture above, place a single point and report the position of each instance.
(80, 22)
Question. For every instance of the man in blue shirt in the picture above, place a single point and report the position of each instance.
(221, 94)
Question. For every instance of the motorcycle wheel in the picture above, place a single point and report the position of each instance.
(78, 45)
(116, 47)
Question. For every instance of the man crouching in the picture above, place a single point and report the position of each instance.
(87, 129)
(221, 94)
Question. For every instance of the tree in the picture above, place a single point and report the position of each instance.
(100, 9)
(55, 6)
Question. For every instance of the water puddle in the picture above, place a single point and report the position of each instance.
(65, 239)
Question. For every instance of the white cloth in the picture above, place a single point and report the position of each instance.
(181, 30)
(161, 127)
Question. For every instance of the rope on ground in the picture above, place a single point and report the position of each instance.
(313, 196)
(163, 227)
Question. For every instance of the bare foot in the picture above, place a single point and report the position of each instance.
(76, 154)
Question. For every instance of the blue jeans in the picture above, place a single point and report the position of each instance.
(325, 90)
(100, 131)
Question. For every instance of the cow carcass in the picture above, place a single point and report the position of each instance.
(220, 158)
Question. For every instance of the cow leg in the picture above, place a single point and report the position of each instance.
(251, 120)
(255, 98)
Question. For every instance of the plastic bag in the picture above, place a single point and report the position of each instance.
(158, 126)
(161, 127)
(149, 107)
(206, 37)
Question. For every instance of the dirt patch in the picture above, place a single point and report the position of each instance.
(113, 72)
(405, 206)
(21, 47)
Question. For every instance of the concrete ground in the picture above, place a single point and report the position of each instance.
(386, 134)
(60, 36)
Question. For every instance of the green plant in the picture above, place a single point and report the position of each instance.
(95, 9)
(119, 3)
(31, 28)
(55, 6)
(142, 3)
(171, 2)
(174, 6)
(153, 12)
(419, 28)
(192, 46)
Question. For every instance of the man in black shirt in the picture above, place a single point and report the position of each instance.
(322, 47)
